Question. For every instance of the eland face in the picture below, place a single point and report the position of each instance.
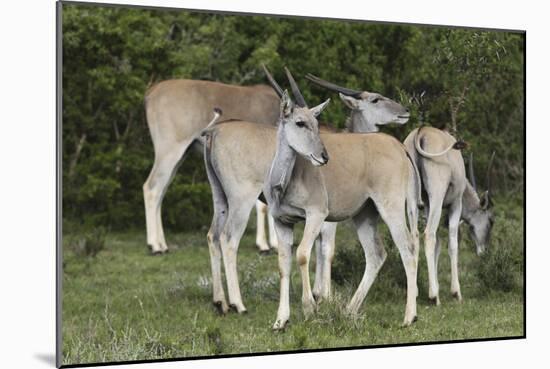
(481, 218)
(301, 129)
(481, 224)
(369, 109)
(298, 124)
(376, 109)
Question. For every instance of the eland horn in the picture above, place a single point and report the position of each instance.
(272, 81)
(471, 171)
(300, 101)
(333, 87)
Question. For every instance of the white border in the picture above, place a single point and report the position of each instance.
(27, 182)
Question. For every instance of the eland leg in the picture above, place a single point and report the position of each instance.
(261, 239)
(272, 234)
(412, 214)
(455, 212)
(437, 253)
(285, 237)
(392, 213)
(366, 223)
(234, 228)
(430, 241)
(214, 248)
(314, 221)
(167, 159)
(213, 238)
(325, 246)
(318, 269)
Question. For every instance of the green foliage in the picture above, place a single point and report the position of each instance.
(501, 267)
(349, 265)
(497, 269)
(111, 55)
(88, 243)
(300, 340)
(214, 338)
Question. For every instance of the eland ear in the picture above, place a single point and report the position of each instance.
(286, 104)
(319, 108)
(484, 201)
(350, 101)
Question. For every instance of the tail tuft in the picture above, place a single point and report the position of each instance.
(460, 145)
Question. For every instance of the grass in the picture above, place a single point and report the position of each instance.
(123, 304)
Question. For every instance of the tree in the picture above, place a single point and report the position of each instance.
(472, 81)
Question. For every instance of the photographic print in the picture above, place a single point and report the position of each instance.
(241, 184)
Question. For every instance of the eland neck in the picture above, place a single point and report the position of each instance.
(281, 167)
(359, 124)
(470, 202)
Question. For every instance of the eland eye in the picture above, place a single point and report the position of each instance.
(300, 124)
(375, 100)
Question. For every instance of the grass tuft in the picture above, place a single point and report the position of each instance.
(214, 337)
(89, 243)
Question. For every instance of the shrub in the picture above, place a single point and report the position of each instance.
(257, 284)
(500, 267)
(348, 264)
(89, 243)
(188, 206)
(214, 337)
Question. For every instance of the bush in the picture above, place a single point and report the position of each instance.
(349, 266)
(89, 243)
(188, 206)
(391, 281)
(500, 267)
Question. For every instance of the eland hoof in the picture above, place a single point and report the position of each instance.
(221, 307)
(280, 325)
(266, 252)
(408, 323)
(238, 309)
(457, 296)
(153, 251)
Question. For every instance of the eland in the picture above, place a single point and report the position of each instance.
(368, 111)
(367, 175)
(445, 186)
(177, 111)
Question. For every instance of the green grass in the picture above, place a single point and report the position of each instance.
(123, 304)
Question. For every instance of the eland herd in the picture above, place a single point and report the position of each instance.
(264, 148)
